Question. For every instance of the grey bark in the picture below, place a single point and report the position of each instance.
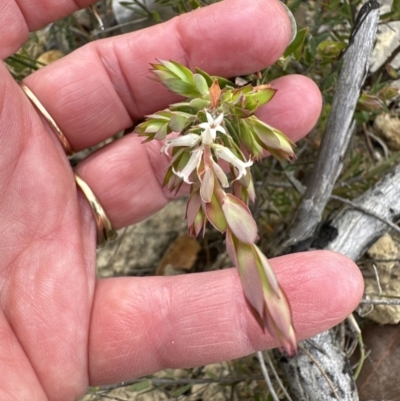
(357, 230)
(337, 133)
(327, 376)
(320, 371)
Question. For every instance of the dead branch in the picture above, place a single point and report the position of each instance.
(307, 379)
(337, 133)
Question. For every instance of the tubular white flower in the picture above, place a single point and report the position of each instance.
(192, 163)
(189, 140)
(224, 153)
(211, 127)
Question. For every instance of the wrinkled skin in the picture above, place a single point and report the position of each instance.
(60, 328)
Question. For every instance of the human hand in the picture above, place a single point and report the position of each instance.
(60, 328)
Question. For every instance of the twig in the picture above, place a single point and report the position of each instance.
(353, 324)
(278, 379)
(362, 209)
(266, 376)
(380, 301)
(97, 16)
(378, 281)
(165, 381)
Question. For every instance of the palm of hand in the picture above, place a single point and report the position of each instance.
(60, 329)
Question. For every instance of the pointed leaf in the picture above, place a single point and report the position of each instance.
(178, 123)
(201, 84)
(207, 77)
(182, 72)
(200, 104)
(182, 88)
(162, 132)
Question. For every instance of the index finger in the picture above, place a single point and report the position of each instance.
(103, 87)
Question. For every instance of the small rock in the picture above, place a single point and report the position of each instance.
(383, 314)
(49, 57)
(388, 128)
(383, 249)
(388, 39)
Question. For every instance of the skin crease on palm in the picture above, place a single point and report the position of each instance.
(60, 328)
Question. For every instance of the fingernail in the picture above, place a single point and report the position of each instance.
(293, 23)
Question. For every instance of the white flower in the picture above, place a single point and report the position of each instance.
(224, 153)
(211, 127)
(192, 163)
(189, 140)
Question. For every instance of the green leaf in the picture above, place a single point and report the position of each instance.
(207, 77)
(297, 44)
(184, 107)
(182, 88)
(143, 385)
(201, 83)
(246, 138)
(258, 98)
(223, 83)
(153, 126)
(182, 390)
(179, 70)
(200, 104)
(162, 132)
(178, 123)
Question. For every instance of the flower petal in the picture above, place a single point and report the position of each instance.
(219, 119)
(226, 154)
(189, 140)
(190, 166)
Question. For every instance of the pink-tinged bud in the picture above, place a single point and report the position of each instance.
(215, 214)
(242, 255)
(278, 320)
(239, 219)
(195, 216)
(199, 224)
(263, 291)
(193, 207)
(277, 315)
(207, 185)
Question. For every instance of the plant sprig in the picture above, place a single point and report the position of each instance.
(217, 122)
